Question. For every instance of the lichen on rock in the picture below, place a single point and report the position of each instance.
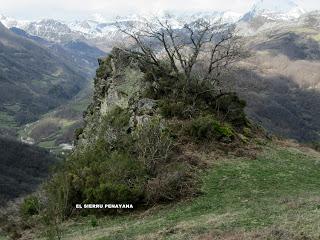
(119, 83)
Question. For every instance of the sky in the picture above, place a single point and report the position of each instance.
(108, 9)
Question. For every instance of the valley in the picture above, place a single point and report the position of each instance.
(49, 76)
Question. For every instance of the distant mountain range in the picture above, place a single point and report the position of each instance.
(100, 32)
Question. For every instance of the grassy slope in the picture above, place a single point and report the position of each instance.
(275, 196)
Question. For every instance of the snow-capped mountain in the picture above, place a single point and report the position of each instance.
(49, 29)
(102, 28)
(311, 19)
(231, 16)
(52, 30)
(93, 29)
(99, 29)
(275, 10)
(11, 22)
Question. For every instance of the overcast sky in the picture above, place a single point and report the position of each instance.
(84, 9)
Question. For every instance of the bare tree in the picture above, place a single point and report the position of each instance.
(197, 51)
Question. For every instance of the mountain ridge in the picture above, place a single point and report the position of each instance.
(276, 10)
(99, 27)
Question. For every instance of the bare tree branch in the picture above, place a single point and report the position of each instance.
(192, 47)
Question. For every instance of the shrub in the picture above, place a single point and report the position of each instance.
(174, 180)
(161, 85)
(104, 67)
(30, 206)
(247, 131)
(77, 133)
(315, 146)
(208, 128)
(93, 221)
(153, 145)
(233, 109)
(119, 167)
(169, 109)
(119, 179)
(117, 118)
(97, 175)
(223, 130)
(57, 204)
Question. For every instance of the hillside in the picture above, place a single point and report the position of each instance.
(76, 53)
(280, 81)
(243, 198)
(56, 80)
(271, 193)
(22, 169)
(33, 80)
(56, 126)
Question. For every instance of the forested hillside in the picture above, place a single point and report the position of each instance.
(33, 80)
(280, 81)
(22, 169)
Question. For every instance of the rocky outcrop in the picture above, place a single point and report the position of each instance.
(118, 84)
